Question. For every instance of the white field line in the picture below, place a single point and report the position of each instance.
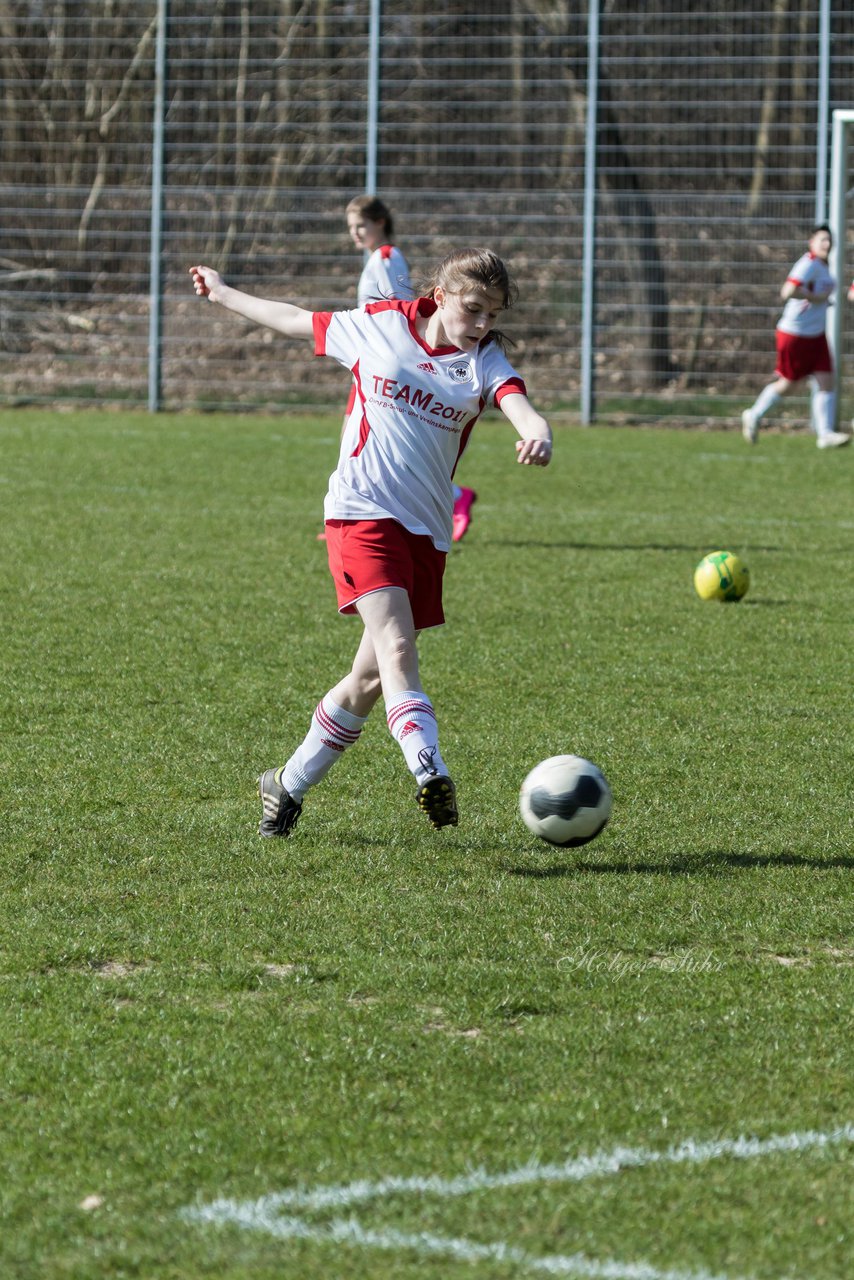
(264, 1214)
(602, 1164)
(351, 1232)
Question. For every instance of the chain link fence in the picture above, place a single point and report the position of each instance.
(709, 133)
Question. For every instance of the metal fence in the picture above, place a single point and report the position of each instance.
(649, 173)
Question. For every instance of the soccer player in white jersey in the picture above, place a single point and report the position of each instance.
(385, 276)
(424, 371)
(802, 349)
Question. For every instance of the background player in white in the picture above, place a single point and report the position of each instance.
(386, 273)
(424, 370)
(385, 276)
(802, 349)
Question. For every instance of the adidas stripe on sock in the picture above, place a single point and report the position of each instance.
(412, 723)
(331, 732)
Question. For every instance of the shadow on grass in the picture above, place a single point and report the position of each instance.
(714, 862)
(765, 604)
(543, 544)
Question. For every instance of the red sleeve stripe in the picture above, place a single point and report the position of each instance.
(512, 387)
(321, 321)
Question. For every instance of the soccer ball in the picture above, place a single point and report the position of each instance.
(721, 576)
(565, 800)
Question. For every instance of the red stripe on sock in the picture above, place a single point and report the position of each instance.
(328, 725)
(411, 707)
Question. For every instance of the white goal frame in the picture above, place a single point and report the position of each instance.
(843, 132)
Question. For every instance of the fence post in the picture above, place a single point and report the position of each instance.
(156, 246)
(823, 111)
(373, 99)
(843, 122)
(589, 225)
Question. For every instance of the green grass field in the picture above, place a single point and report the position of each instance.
(378, 1051)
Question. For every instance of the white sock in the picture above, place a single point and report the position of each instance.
(825, 412)
(412, 723)
(331, 732)
(458, 493)
(766, 400)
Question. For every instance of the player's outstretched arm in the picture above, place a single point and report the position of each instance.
(294, 322)
(535, 447)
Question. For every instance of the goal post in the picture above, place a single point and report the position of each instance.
(842, 136)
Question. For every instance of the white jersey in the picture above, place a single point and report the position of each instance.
(800, 316)
(414, 411)
(385, 276)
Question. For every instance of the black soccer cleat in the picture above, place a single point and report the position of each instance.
(281, 811)
(437, 797)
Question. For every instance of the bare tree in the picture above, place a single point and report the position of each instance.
(771, 76)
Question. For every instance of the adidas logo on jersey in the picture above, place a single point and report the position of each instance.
(427, 367)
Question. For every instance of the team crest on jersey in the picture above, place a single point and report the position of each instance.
(460, 372)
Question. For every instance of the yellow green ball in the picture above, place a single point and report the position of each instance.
(721, 576)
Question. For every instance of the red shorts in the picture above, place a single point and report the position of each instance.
(798, 357)
(367, 555)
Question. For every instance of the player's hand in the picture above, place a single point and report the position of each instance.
(534, 453)
(206, 282)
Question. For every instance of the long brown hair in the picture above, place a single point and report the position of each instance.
(480, 268)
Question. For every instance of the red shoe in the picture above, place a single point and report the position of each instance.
(462, 513)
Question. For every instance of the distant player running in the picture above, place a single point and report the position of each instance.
(802, 349)
(424, 371)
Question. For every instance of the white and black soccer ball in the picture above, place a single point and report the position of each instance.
(565, 800)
